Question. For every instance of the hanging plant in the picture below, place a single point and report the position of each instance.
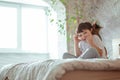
(60, 23)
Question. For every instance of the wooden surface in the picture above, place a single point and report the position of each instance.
(92, 75)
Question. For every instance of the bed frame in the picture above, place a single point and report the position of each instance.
(91, 75)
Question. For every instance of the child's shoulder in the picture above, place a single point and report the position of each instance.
(95, 36)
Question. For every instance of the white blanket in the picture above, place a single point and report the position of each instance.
(54, 69)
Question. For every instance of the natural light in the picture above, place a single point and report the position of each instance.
(34, 30)
(26, 28)
(23, 28)
(8, 27)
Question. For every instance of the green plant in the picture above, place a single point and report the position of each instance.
(60, 23)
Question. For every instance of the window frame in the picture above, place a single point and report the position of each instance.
(19, 26)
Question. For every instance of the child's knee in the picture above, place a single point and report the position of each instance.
(68, 55)
(65, 55)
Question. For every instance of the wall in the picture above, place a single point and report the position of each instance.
(105, 12)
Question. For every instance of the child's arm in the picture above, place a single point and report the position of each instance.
(76, 48)
(97, 48)
(93, 44)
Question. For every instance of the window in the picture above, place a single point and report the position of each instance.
(23, 28)
(34, 35)
(8, 27)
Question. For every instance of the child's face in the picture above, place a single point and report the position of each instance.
(83, 35)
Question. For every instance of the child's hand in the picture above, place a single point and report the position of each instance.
(75, 38)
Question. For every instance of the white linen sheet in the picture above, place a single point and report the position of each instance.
(54, 69)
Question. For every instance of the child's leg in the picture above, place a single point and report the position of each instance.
(68, 55)
(90, 53)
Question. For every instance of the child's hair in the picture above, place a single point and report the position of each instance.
(86, 25)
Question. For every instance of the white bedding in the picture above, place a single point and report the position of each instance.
(54, 69)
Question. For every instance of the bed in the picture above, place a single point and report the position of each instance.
(63, 69)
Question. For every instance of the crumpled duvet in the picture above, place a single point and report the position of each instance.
(54, 69)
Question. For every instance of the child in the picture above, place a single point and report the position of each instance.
(87, 42)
